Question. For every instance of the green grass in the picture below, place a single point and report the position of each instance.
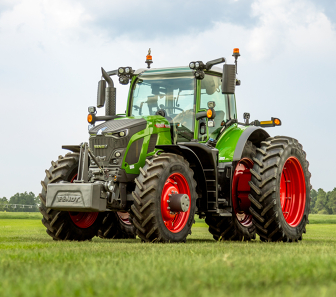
(31, 264)
(20, 215)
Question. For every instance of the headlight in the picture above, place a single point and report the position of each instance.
(192, 65)
(92, 109)
(121, 70)
(124, 80)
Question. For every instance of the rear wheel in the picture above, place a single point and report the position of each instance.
(239, 226)
(280, 188)
(162, 176)
(63, 225)
(117, 225)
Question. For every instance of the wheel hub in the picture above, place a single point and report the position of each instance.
(175, 202)
(292, 192)
(124, 217)
(240, 191)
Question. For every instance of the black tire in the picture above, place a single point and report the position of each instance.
(113, 227)
(59, 223)
(280, 168)
(146, 210)
(230, 228)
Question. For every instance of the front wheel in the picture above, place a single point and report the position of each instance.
(64, 225)
(280, 190)
(163, 176)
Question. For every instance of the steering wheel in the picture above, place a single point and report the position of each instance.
(161, 112)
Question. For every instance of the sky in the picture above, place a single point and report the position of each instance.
(51, 53)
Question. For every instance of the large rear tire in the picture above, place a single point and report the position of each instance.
(162, 175)
(238, 227)
(116, 225)
(64, 225)
(280, 190)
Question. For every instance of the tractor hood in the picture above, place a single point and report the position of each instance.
(111, 140)
(117, 125)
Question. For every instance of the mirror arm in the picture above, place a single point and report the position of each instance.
(200, 115)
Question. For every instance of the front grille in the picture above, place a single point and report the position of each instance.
(112, 144)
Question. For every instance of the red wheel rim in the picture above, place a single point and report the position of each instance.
(176, 183)
(240, 191)
(123, 217)
(292, 192)
(82, 219)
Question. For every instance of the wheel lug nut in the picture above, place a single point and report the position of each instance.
(168, 207)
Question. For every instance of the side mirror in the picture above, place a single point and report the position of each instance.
(229, 79)
(101, 93)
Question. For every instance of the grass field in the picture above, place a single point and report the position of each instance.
(31, 264)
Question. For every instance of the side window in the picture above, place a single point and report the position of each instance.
(211, 90)
(232, 103)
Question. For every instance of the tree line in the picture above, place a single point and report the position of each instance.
(21, 199)
(321, 202)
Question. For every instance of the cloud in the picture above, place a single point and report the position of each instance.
(161, 19)
(52, 53)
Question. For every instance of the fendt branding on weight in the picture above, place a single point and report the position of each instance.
(100, 146)
(68, 198)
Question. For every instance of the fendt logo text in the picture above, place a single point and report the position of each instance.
(68, 198)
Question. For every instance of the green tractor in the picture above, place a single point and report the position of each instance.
(178, 151)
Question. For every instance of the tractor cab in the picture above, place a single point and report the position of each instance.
(176, 95)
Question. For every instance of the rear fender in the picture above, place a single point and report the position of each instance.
(253, 134)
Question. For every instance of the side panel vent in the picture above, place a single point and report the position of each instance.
(152, 143)
(134, 152)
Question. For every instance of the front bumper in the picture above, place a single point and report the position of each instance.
(81, 197)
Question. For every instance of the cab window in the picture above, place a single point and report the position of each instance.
(211, 90)
(171, 95)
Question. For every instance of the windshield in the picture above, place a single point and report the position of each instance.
(173, 96)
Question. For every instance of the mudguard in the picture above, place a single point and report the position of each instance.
(253, 134)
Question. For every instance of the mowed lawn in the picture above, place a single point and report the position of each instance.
(32, 264)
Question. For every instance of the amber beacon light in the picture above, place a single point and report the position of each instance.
(149, 59)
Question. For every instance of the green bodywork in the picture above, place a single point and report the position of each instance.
(226, 143)
(163, 138)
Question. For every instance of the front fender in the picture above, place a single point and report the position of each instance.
(194, 162)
